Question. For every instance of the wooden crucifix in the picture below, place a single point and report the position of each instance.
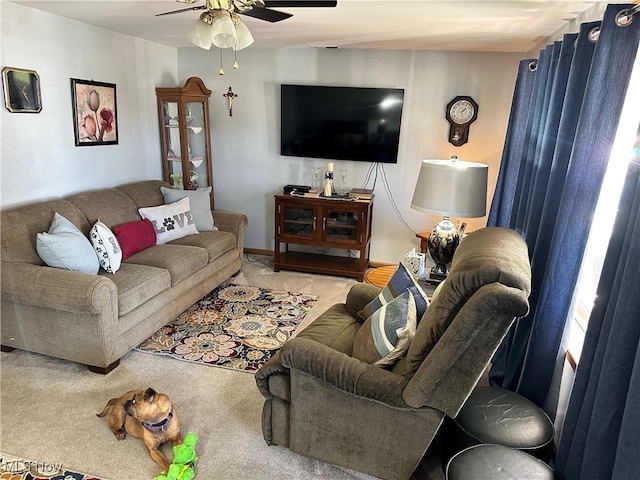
(230, 96)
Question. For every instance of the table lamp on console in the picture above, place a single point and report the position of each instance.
(451, 188)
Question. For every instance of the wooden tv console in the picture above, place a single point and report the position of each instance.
(322, 223)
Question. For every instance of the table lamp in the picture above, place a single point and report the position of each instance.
(451, 188)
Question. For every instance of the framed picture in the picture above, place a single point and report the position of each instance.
(95, 120)
(21, 90)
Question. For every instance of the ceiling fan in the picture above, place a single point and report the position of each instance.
(221, 26)
(253, 8)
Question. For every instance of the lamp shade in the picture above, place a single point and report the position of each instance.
(452, 188)
(223, 34)
(244, 35)
(200, 34)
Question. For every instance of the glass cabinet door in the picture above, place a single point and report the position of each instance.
(196, 140)
(172, 148)
(341, 225)
(298, 221)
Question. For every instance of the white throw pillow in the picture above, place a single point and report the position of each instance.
(65, 246)
(171, 221)
(200, 205)
(106, 246)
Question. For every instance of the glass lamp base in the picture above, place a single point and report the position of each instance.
(442, 243)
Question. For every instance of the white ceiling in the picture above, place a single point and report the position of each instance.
(471, 25)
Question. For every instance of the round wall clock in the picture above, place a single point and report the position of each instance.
(461, 112)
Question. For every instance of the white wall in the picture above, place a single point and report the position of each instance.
(39, 159)
(248, 169)
(39, 156)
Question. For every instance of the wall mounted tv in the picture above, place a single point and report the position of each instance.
(341, 123)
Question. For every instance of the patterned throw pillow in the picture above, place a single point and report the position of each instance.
(106, 246)
(200, 205)
(400, 282)
(65, 246)
(386, 335)
(133, 237)
(171, 221)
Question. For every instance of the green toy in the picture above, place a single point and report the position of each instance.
(184, 459)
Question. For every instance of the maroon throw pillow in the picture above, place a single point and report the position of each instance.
(134, 237)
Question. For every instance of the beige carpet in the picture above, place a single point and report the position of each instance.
(48, 406)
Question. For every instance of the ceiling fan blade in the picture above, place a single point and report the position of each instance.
(300, 3)
(267, 14)
(189, 9)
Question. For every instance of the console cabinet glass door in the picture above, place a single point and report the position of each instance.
(298, 221)
(184, 134)
(341, 225)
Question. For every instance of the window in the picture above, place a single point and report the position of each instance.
(598, 242)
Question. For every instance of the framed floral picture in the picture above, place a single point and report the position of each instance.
(95, 120)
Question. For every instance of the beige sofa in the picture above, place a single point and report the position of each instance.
(96, 319)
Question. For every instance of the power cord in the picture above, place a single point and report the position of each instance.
(264, 260)
(380, 167)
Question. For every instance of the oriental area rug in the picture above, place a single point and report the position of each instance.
(17, 468)
(235, 326)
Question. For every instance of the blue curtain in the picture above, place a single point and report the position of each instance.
(502, 203)
(574, 108)
(600, 434)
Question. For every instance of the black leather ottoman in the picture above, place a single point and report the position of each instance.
(496, 462)
(497, 416)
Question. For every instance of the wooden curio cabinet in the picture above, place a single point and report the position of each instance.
(185, 138)
(324, 223)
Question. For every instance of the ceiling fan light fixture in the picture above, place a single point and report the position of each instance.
(207, 17)
(200, 34)
(243, 34)
(223, 34)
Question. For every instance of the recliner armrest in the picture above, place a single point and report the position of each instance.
(272, 367)
(343, 372)
(359, 296)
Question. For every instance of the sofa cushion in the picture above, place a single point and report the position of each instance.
(386, 335)
(21, 225)
(133, 237)
(401, 281)
(146, 193)
(171, 221)
(335, 328)
(200, 200)
(359, 296)
(180, 260)
(137, 284)
(106, 247)
(65, 246)
(110, 205)
(215, 243)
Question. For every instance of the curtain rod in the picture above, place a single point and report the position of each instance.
(625, 16)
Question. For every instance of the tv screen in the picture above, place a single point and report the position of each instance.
(341, 123)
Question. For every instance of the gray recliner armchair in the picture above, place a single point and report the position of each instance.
(324, 404)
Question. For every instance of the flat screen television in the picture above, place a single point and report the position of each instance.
(341, 123)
